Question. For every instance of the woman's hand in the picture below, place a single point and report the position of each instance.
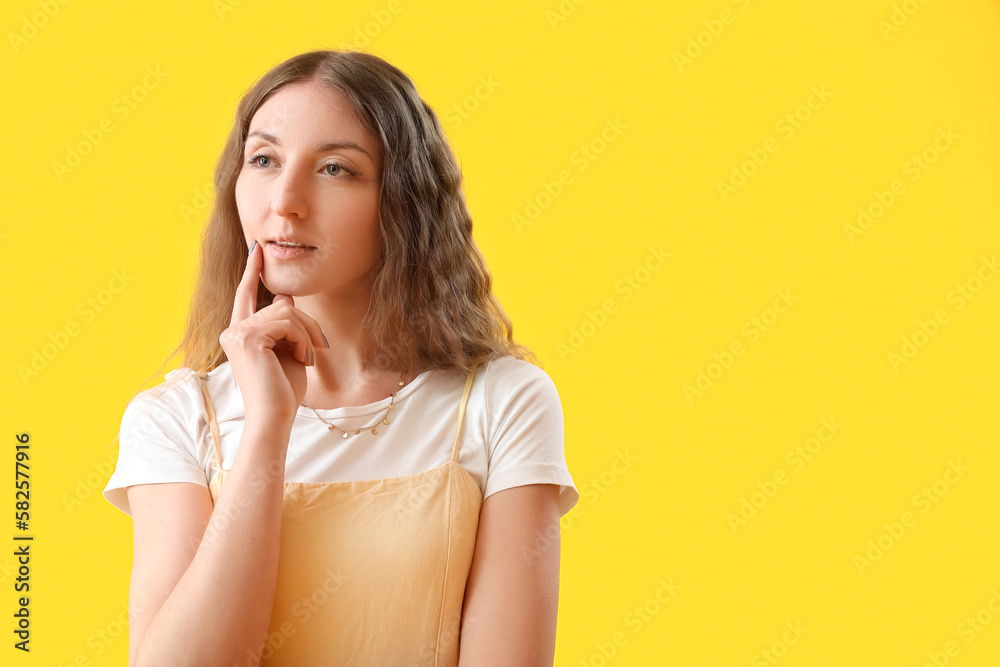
(269, 349)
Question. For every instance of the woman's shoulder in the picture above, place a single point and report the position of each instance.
(513, 368)
(508, 377)
(171, 402)
(177, 385)
(521, 416)
(177, 404)
(224, 393)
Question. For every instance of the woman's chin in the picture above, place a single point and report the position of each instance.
(285, 285)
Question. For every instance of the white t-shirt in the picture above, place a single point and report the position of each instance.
(512, 433)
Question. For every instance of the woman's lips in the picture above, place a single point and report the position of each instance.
(288, 252)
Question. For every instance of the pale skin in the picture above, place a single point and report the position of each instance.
(204, 577)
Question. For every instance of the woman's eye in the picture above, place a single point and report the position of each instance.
(340, 169)
(332, 169)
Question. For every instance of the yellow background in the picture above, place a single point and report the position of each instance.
(620, 356)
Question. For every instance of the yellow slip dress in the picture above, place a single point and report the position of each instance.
(371, 572)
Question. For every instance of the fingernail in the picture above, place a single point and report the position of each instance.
(325, 341)
(252, 246)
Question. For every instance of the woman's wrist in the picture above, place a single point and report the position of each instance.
(270, 430)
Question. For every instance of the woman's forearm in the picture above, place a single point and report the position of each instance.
(220, 609)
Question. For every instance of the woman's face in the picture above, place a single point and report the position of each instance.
(311, 176)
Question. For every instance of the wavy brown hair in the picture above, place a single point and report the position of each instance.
(432, 303)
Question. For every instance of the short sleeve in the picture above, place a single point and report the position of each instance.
(525, 431)
(157, 441)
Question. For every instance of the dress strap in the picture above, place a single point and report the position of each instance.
(213, 424)
(461, 412)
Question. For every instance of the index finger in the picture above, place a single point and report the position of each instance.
(245, 301)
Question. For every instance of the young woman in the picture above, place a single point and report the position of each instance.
(356, 463)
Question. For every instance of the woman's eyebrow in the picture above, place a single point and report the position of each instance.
(331, 146)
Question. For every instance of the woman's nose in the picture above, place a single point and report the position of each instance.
(290, 194)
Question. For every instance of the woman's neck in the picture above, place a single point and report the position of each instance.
(345, 374)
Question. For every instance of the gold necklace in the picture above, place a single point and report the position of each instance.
(374, 426)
